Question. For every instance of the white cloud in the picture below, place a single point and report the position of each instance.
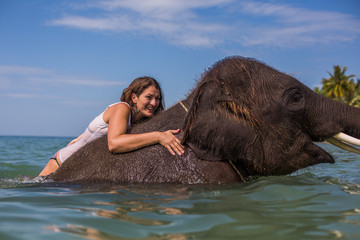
(33, 76)
(29, 95)
(82, 103)
(91, 82)
(289, 26)
(20, 70)
(172, 20)
(160, 9)
(246, 22)
(83, 23)
(59, 80)
(14, 80)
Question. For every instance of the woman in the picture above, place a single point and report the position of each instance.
(141, 100)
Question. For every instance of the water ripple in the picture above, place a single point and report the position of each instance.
(320, 202)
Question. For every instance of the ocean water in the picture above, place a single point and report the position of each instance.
(320, 202)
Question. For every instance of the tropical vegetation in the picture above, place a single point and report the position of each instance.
(341, 87)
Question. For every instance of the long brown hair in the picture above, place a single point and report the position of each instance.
(138, 86)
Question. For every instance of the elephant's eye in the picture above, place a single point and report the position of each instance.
(296, 97)
(295, 100)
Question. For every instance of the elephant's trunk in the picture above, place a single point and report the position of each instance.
(330, 117)
(350, 120)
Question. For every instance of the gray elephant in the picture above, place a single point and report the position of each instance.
(243, 119)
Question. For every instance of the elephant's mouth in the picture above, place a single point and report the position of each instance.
(343, 141)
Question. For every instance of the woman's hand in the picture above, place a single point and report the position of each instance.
(171, 142)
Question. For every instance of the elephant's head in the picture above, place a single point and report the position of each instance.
(262, 119)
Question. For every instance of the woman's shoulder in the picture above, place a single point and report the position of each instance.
(120, 104)
(119, 109)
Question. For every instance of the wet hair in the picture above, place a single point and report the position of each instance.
(138, 86)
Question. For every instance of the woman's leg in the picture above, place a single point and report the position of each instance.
(51, 166)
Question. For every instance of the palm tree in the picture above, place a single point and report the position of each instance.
(339, 86)
(356, 99)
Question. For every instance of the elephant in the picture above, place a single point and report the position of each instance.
(244, 119)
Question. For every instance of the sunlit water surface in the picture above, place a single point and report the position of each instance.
(321, 202)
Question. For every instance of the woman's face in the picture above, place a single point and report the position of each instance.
(147, 102)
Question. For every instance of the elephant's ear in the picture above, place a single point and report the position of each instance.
(214, 129)
(191, 115)
(208, 92)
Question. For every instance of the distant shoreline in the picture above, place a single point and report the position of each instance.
(40, 136)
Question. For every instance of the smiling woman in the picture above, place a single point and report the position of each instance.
(140, 101)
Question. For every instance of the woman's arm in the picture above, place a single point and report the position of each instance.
(119, 141)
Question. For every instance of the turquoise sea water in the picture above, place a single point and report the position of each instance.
(321, 202)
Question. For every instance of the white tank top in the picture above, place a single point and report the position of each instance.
(97, 128)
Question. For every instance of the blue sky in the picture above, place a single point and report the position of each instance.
(63, 62)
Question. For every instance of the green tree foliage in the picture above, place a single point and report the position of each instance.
(341, 87)
(356, 99)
